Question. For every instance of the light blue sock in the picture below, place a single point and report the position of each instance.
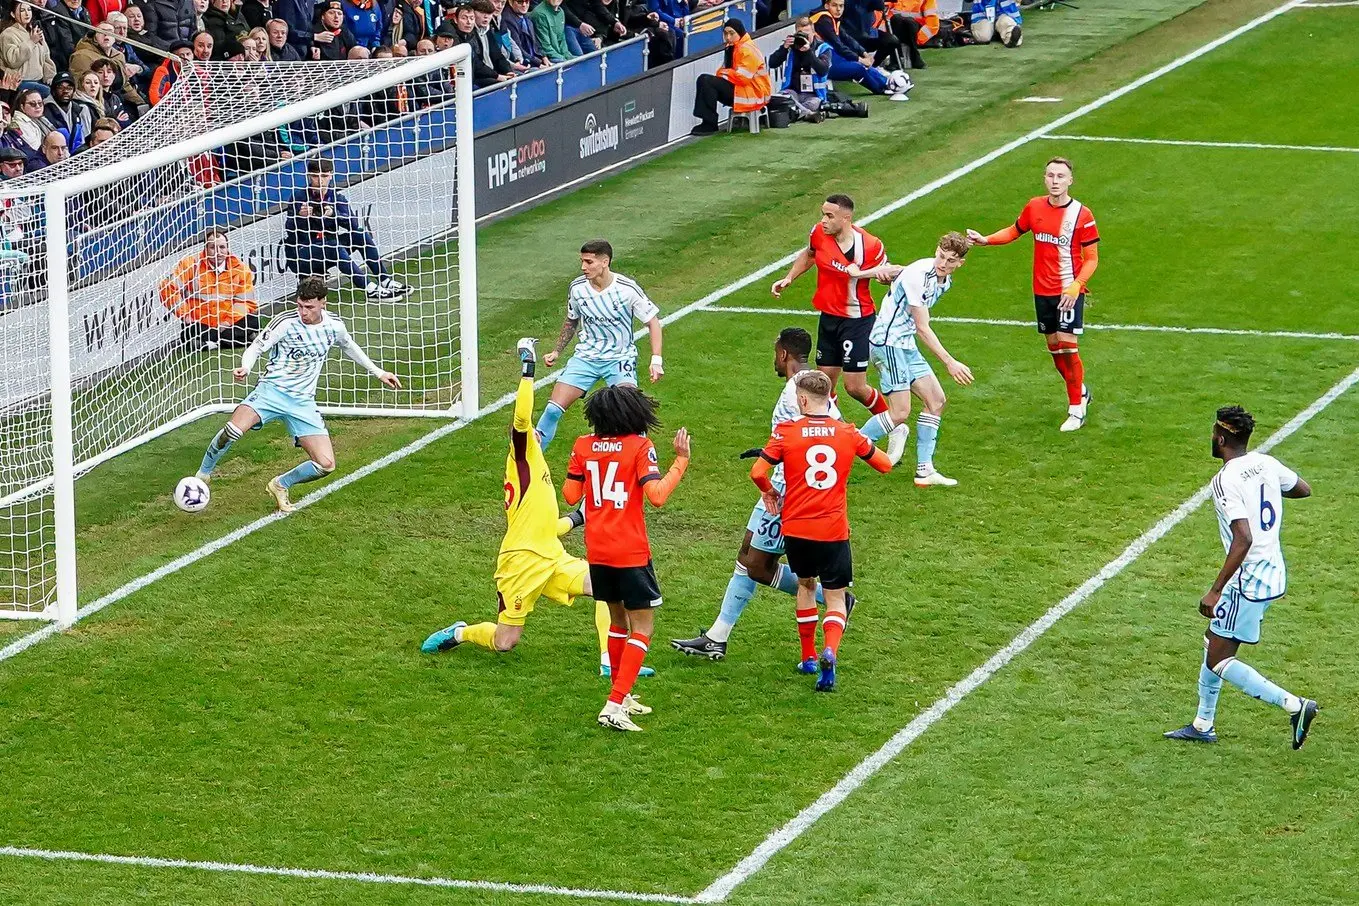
(1210, 686)
(926, 436)
(217, 447)
(785, 580)
(1248, 680)
(305, 471)
(740, 589)
(547, 423)
(878, 426)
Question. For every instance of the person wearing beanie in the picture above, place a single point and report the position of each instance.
(742, 82)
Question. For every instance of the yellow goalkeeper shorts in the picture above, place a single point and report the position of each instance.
(522, 577)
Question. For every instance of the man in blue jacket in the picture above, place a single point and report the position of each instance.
(321, 232)
(366, 21)
(849, 60)
(300, 16)
(806, 77)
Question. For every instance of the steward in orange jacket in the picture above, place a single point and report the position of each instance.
(741, 84)
(213, 293)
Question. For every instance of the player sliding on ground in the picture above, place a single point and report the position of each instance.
(611, 470)
(902, 370)
(532, 562)
(602, 306)
(846, 303)
(757, 563)
(817, 453)
(1248, 496)
(297, 343)
(1064, 259)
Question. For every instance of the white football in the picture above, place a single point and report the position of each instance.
(192, 494)
(899, 81)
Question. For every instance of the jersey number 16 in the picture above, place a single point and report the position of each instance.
(610, 489)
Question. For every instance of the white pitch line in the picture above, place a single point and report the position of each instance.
(721, 888)
(1011, 322)
(1185, 143)
(324, 875)
(1327, 4)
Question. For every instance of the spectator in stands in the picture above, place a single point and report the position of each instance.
(104, 129)
(90, 92)
(806, 61)
(256, 45)
(487, 43)
(181, 55)
(94, 45)
(115, 105)
(280, 48)
(21, 247)
(203, 46)
(300, 16)
(489, 65)
(849, 60)
(320, 232)
(199, 8)
(597, 21)
(639, 20)
(520, 29)
(332, 38)
(27, 127)
(432, 88)
(409, 23)
(549, 27)
(23, 47)
(132, 70)
(168, 21)
(68, 116)
(63, 29)
(499, 32)
(742, 82)
(54, 148)
(366, 22)
(223, 23)
(213, 293)
(998, 20)
(257, 13)
(674, 13)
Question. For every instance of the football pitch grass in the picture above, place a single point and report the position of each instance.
(268, 705)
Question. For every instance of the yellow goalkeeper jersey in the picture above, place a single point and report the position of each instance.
(530, 498)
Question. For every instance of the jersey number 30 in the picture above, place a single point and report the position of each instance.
(610, 489)
(821, 474)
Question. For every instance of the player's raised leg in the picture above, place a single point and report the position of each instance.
(241, 421)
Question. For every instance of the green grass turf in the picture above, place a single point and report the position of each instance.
(213, 716)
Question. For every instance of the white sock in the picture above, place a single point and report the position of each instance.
(720, 630)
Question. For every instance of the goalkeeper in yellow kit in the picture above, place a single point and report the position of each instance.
(532, 562)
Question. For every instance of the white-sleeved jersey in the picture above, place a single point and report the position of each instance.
(786, 410)
(1251, 487)
(606, 317)
(918, 284)
(297, 352)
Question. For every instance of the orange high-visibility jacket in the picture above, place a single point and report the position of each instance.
(926, 12)
(749, 74)
(199, 293)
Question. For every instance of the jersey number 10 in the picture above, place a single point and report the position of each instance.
(611, 489)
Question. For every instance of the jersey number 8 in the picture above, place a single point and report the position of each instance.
(611, 489)
(820, 474)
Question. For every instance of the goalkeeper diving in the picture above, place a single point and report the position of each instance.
(532, 563)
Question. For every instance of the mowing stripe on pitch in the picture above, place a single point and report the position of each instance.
(1185, 143)
(363, 877)
(1011, 322)
(721, 888)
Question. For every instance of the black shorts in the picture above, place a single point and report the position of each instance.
(829, 561)
(1050, 320)
(843, 342)
(635, 587)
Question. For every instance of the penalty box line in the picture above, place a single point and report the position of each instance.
(1187, 143)
(720, 889)
(1010, 322)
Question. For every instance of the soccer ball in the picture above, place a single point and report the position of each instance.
(899, 82)
(192, 494)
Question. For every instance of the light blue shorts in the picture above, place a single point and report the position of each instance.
(899, 368)
(585, 373)
(1239, 617)
(766, 530)
(300, 416)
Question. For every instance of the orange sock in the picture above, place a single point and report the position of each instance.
(618, 637)
(1068, 362)
(806, 631)
(833, 629)
(877, 403)
(624, 675)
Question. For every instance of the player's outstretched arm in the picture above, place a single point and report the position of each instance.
(523, 397)
(657, 367)
(658, 491)
(352, 349)
(956, 369)
(1000, 237)
(568, 332)
(801, 264)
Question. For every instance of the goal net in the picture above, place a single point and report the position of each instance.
(132, 274)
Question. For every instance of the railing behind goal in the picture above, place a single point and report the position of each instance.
(98, 339)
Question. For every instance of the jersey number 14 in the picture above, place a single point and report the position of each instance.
(610, 489)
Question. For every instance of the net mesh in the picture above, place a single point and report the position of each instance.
(174, 268)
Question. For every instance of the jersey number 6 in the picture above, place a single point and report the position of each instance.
(611, 489)
(1267, 515)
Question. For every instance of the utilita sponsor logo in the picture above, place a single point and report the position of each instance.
(1051, 239)
(516, 163)
(597, 138)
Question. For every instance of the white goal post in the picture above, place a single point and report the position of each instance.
(116, 324)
